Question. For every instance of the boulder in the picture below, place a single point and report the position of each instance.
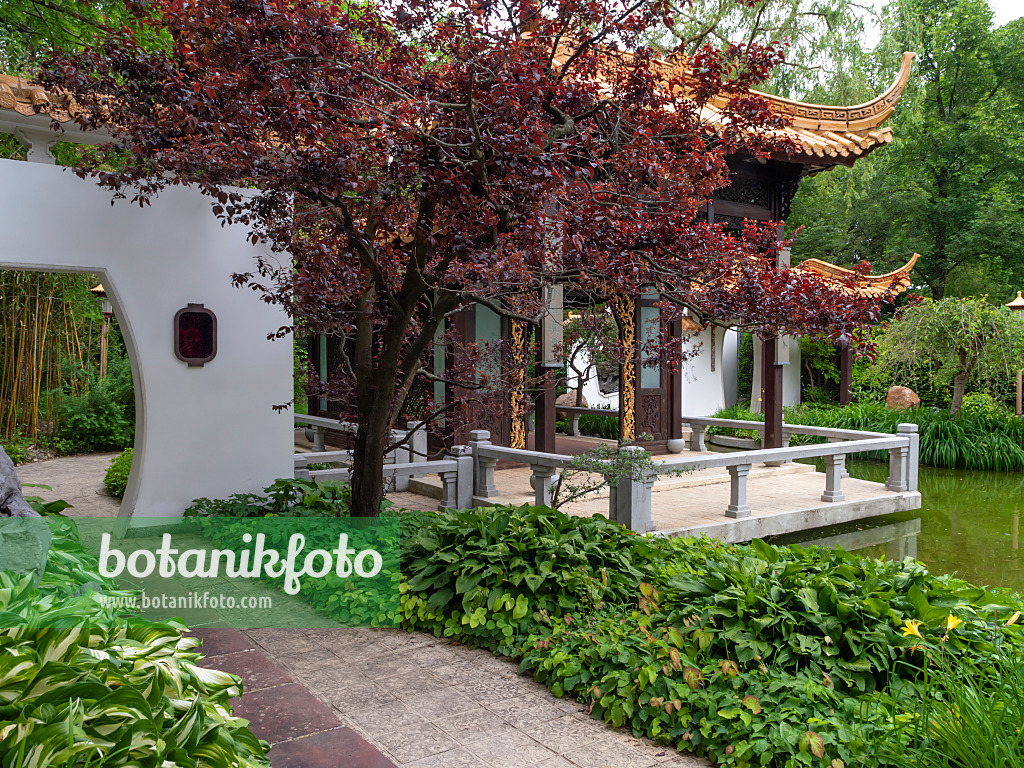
(12, 501)
(569, 399)
(898, 398)
(24, 544)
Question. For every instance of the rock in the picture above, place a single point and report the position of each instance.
(898, 398)
(569, 400)
(24, 544)
(12, 501)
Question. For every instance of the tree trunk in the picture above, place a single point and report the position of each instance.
(368, 468)
(959, 387)
(960, 381)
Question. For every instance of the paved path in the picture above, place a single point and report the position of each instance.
(78, 480)
(323, 696)
(429, 703)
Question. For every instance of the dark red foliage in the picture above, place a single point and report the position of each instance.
(411, 160)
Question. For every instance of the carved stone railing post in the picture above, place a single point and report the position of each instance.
(318, 439)
(697, 437)
(400, 455)
(842, 472)
(898, 463)
(483, 466)
(457, 484)
(543, 479)
(631, 500)
(913, 453)
(833, 478)
(738, 508)
(574, 424)
(418, 441)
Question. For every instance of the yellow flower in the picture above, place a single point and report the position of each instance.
(952, 622)
(1013, 619)
(910, 627)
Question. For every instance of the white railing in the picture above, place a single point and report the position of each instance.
(630, 502)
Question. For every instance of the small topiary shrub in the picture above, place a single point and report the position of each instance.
(116, 477)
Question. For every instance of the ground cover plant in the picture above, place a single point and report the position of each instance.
(983, 436)
(82, 686)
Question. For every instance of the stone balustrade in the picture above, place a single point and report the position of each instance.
(468, 473)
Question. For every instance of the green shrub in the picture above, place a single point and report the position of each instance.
(755, 655)
(116, 477)
(487, 576)
(599, 425)
(18, 449)
(83, 686)
(95, 420)
(286, 497)
(739, 413)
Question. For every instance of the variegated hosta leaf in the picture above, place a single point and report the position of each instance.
(82, 686)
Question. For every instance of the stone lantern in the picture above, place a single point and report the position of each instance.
(1017, 306)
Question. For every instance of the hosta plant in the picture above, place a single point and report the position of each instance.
(84, 687)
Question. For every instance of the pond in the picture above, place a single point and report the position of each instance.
(968, 524)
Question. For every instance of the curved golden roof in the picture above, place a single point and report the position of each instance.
(825, 136)
(1017, 303)
(868, 286)
(28, 99)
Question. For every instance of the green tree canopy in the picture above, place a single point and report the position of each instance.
(30, 28)
(949, 187)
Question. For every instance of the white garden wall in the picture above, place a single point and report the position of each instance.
(206, 431)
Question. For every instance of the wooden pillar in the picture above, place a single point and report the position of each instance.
(675, 387)
(544, 409)
(1020, 391)
(845, 373)
(771, 395)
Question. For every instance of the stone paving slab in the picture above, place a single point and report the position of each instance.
(427, 702)
(303, 732)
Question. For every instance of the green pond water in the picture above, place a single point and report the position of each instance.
(968, 524)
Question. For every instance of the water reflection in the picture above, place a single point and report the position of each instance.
(969, 524)
(898, 539)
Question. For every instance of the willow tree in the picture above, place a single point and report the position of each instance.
(412, 161)
(957, 342)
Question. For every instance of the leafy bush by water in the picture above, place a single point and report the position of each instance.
(755, 655)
